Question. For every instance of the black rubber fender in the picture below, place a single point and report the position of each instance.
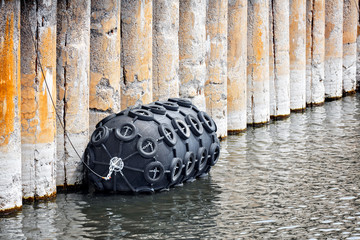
(156, 145)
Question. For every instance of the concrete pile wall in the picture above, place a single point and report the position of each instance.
(72, 78)
(38, 124)
(315, 52)
(165, 49)
(297, 55)
(10, 103)
(136, 58)
(279, 59)
(333, 48)
(192, 51)
(236, 66)
(216, 62)
(242, 61)
(105, 55)
(258, 85)
(351, 9)
(358, 50)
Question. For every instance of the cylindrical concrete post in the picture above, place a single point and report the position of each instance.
(315, 52)
(38, 87)
(271, 60)
(192, 50)
(216, 61)
(136, 58)
(10, 134)
(358, 52)
(165, 49)
(297, 55)
(73, 69)
(236, 65)
(351, 9)
(279, 37)
(105, 50)
(333, 48)
(258, 95)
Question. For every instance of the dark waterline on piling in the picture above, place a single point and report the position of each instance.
(298, 178)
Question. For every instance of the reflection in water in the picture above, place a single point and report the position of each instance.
(297, 178)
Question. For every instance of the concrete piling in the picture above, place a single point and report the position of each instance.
(297, 55)
(192, 51)
(258, 95)
(279, 59)
(236, 66)
(358, 51)
(105, 55)
(38, 87)
(315, 52)
(333, 48)
(10, 133)
(73, 68)
(351, 9)
(216, 62)
(136, 38)
(165, 47)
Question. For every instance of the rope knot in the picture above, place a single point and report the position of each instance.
(116, 165)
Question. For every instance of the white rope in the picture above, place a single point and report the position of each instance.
(116, 165)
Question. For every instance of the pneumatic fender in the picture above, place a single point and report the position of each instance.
(151, 147)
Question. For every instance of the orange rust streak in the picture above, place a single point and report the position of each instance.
(7, 83)
(37, 112)
(257, 38)
(46, 112)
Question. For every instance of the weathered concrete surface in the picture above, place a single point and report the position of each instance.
(271, 60)
(136, 58)
(38, 119)
(236, 65)
(258, 92)
(358, 53)
(279, 59)
(192, 50)
(351, 9)
(10, 134)
(297, 54)
(165, 49)
(105, 55)
(73, 68)
(216, 61)
(333, 48)
(315, 52)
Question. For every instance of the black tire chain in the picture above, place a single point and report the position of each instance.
(160, 144)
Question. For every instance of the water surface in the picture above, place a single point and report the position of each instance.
(296, 178)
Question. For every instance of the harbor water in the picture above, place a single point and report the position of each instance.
(296, 178)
